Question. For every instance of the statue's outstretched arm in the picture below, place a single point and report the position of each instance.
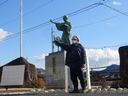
(52, 22)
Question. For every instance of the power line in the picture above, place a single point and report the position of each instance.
(114, 9)
(39, 7)
(9, 21)
(115, 45)
(70, 14)
(3, 2)
(27, 12)
(97, 21)
(48, 23)
(12, 36)
(84, 9)
(108, 46)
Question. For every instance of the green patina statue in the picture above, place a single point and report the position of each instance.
(66, 28)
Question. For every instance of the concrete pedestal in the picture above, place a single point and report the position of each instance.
(57, 74)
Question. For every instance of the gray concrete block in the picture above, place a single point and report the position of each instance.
(57, 74)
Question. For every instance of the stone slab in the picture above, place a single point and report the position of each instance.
(12, 75)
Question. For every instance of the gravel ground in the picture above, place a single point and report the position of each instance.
(67, 94)
(53, 92)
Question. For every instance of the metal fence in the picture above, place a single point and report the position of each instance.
(109, 73)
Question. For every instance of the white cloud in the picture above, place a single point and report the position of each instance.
(97, 58)
(4, 34)
(116, 3)
(39, 65)
(41, 57)
(102, 57)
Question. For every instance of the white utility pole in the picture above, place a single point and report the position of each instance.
(88, 73)
(20, 28)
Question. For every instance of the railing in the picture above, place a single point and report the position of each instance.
(109, 73)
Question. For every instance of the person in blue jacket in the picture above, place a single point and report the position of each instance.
(75, 60)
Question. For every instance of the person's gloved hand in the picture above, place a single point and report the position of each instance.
(84, 65)
(54, 38)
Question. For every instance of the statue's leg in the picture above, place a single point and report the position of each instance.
(63, 38)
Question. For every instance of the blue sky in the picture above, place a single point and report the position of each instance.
(98, 38)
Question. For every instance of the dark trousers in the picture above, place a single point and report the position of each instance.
(77, 73)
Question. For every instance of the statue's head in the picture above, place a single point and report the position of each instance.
(65, 17)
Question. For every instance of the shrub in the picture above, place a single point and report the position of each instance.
(104, 83)
(39, 83)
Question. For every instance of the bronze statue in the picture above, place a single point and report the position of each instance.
(66, 28)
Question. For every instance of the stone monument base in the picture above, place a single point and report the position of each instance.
(30, 72)
(123, 53)
(57, 74)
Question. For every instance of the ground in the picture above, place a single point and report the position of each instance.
(58, 92)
